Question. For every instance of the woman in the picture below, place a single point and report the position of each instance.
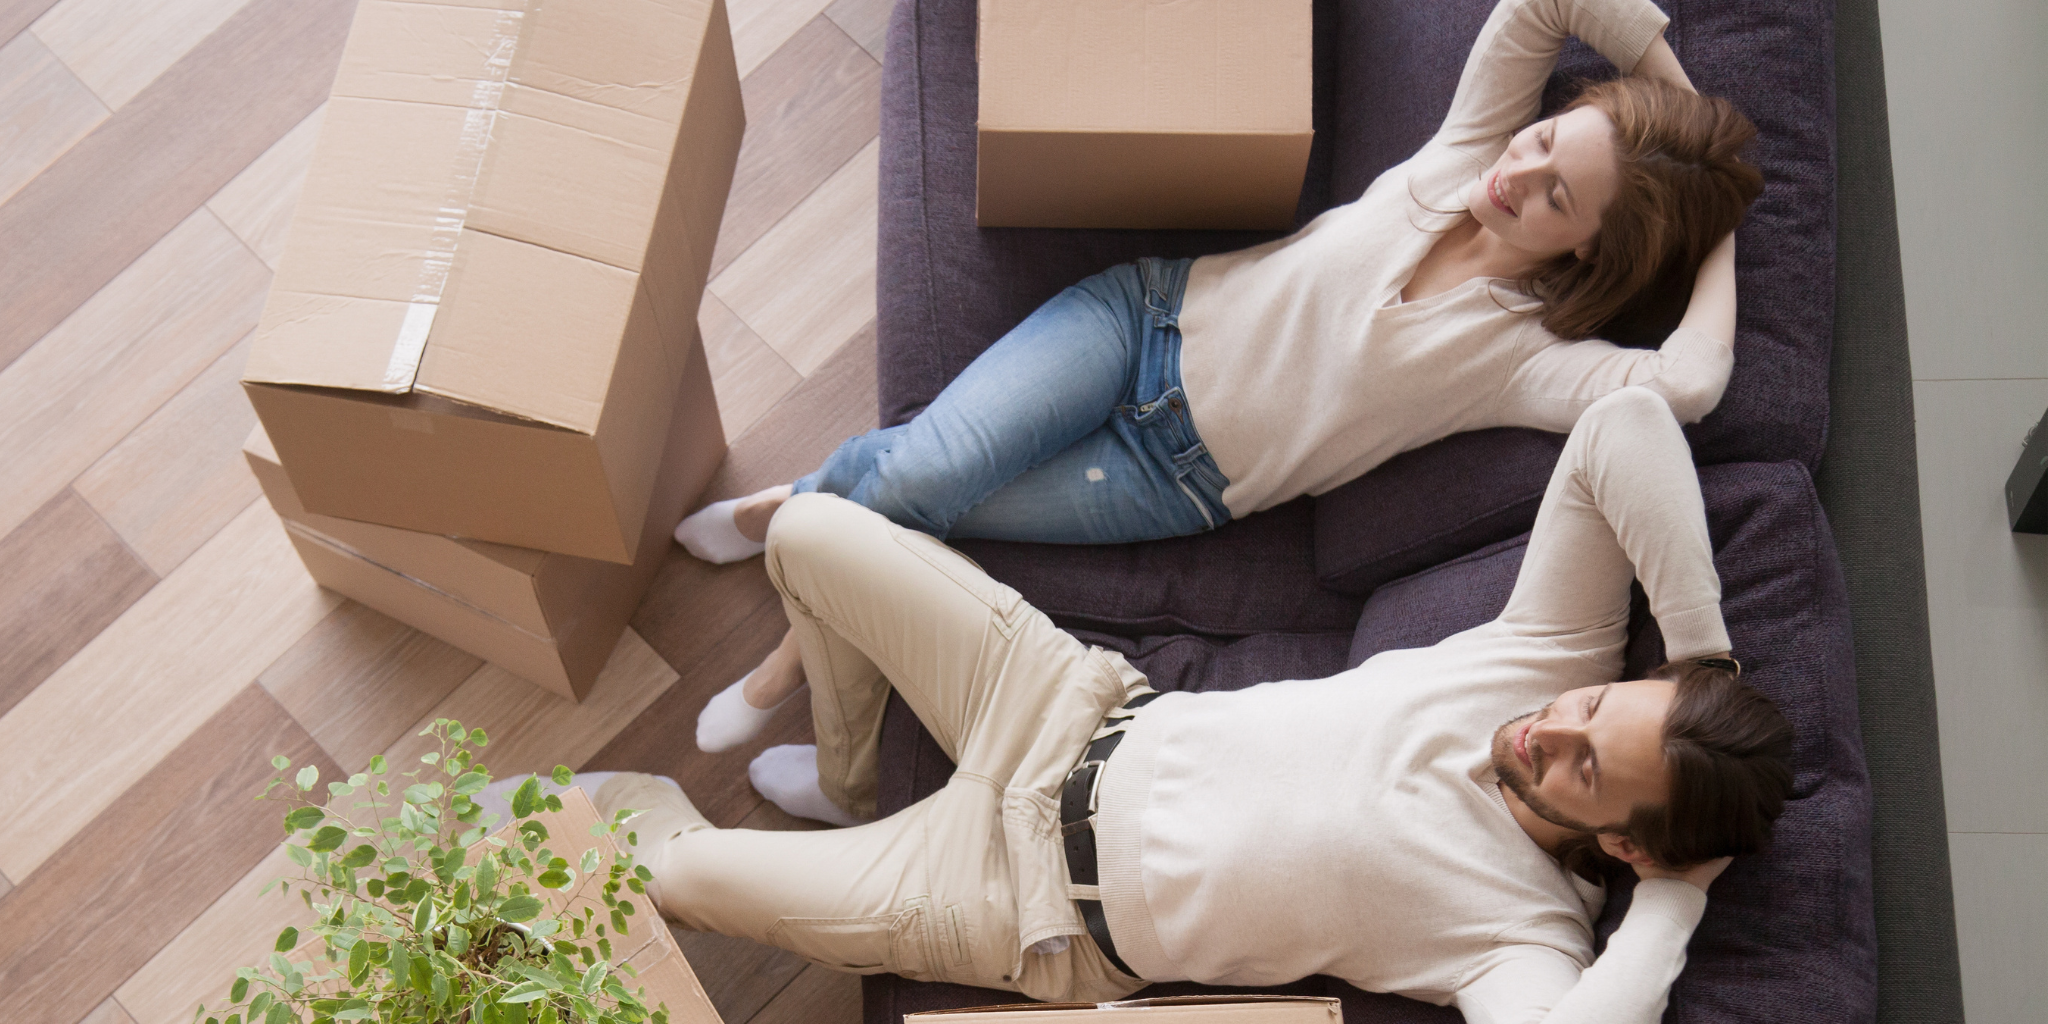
(1459, 292)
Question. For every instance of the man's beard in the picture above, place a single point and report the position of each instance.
(1522, 780)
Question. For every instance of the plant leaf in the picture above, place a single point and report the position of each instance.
(328, 838)
(519, 908)
(553, 878)
(563, 775)
(524, 798)
(308, 775)
(303, 818)
(378, 764)
(279, 1013)
(287, 940)
(361, 856)
(471, 783)
(239, 991)
(524, 992)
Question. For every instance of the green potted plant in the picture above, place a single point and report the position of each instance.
(424, 915)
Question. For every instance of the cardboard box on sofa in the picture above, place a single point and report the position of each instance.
(1143, 113)
(549, 618)
(489, 291)
(1164, 1010)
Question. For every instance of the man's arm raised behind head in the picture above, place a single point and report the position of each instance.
(1629, 984)
(1624, 502)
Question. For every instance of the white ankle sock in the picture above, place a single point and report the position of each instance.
(710, 534)
(729, 720)
(788, 776)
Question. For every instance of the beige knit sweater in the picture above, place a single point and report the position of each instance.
(1353, 825)
(1303, 368)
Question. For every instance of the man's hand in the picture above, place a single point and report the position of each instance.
(1700, 875)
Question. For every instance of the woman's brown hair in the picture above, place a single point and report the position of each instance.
(1684, 185)
(1729, 752)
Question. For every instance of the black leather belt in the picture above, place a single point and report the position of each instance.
(1077, 824)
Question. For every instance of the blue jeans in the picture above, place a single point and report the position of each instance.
(1071, 429)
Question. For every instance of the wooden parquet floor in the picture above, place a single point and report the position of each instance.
(159, 640)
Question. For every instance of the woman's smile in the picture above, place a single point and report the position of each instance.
(1499, 195)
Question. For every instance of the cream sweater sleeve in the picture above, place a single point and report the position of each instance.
(1501, 88)
(1556, 384)
(1629, 984)
(1624, 503)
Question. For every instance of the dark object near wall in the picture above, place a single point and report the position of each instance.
(2026, 490)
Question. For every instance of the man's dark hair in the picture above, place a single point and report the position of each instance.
(1729, 752)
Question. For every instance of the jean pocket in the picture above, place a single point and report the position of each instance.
(858, 945)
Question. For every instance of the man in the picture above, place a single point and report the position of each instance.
(1412, 825)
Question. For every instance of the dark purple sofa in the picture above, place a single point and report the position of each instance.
(1428, 544)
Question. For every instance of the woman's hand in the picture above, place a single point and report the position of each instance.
(1659, 62)
(1700, 875)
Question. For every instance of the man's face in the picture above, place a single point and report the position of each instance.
(1591, 757)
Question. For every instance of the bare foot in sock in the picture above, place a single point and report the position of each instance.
(788, 777)
(739, 712)
(733, 529)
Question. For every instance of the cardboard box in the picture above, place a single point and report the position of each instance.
(1164, 1010)
(647, 947)
(546, 617)
(489, 293)
(1143, 113)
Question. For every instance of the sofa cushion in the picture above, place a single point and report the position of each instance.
(1267, 581)
(1434, 503)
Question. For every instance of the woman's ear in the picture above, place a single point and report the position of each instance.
(1622, 848)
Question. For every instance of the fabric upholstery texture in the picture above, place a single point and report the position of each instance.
(1428, 544)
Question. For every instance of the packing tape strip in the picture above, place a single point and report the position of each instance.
(294, 526)
(472, 149)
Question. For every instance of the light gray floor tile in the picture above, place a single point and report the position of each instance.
(1987, 594)
(2002, 922)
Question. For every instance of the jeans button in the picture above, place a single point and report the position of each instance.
(1174, 401)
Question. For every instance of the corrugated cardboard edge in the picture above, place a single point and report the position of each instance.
(1217, 1008)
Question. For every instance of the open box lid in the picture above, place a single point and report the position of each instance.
(1217, 66)
(481, 200)
(1198, 1009)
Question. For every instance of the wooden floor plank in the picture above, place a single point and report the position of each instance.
(17, 15)
(174, 658)
(148, 864)
(199, 964)
(178, 478)
(747, 375)
(760, 27)
(867, 21)
(360, 679)
(827, 242)
(532, 730)
(144, 170)
(809, 108)
(67, 576)
(819, 995)
(44, 108)
(739, 975)
(257, 205)
(102, 372)
(834, 403)
(117, 47)
(109, 1012)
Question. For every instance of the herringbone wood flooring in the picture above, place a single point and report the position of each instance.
(159, 641)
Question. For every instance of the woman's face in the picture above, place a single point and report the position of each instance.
(1546, 193)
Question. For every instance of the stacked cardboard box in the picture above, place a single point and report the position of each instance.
(1235, 1009)
(1143, 113)
(484, 323)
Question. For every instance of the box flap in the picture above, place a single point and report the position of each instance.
(1146, 65)
(550, 123)
(544, 354)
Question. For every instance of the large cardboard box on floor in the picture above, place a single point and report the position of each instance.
(1252, 1009)
(1143, 113)
(489, 292)
(549, 618)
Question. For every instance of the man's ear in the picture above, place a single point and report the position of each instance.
(1622, 848)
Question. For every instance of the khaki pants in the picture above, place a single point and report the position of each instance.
(957, 886)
